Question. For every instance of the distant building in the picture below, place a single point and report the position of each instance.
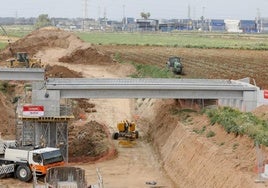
(128, 24)
(217, 25)
(166, 25)
(115, 25)
(263, 25)
(232, 26)
(248, 26)
(185, 24)
(175, 24)
(147, 24)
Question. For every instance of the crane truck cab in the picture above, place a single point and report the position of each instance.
(26, 160)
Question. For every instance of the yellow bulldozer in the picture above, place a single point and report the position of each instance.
(22, 60)
(127, 133)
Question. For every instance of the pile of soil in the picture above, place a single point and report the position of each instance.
(40, 39)
(76, 51)
(89, 141)
(83, 56)
(58, 71)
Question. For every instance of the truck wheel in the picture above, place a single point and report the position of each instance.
(115, 136)
(137, 134)
(24, 173)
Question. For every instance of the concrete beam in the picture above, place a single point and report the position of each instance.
(149, 88)
(26, 74)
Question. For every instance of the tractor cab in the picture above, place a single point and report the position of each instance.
(22, 57)
(174, 64)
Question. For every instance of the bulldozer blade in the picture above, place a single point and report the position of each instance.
(126, 143)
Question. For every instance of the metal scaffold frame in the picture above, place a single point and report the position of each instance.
(50, 134)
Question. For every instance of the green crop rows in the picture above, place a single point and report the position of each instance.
(188, 40)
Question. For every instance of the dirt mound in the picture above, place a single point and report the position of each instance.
(86, 56)
(58, 71)
(40, 39)
(89, 142)
(77, 51)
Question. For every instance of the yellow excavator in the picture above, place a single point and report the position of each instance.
(127, 133)
(22, 60)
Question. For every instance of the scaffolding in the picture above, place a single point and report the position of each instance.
(46, 130)
(44, 133)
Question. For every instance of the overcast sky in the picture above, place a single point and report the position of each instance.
(116, 9)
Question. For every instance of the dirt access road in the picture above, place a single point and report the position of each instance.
(133, 167)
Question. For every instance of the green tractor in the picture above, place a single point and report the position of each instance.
(174, 64)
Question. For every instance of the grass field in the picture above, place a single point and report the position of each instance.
(173, 39)
(17, 30)
(2, 45)
(181, 39)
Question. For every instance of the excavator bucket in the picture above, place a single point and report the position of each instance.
(127, 143)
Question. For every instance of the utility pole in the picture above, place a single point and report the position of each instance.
(189, 12)
(259, 21)
(85, 13)
(124, 17)
(189, 16)
(104, 16)
(203, 17)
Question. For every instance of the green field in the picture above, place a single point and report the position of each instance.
(180, 39)
(2, 45)
(17, 30)
(174, 39)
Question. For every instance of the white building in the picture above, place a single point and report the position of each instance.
(232, 26)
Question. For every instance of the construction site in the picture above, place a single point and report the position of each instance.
(86, 103)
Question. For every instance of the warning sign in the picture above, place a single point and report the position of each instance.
(265, 94)
(33, 111)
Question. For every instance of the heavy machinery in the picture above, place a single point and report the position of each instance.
(22, 60)
(175, 65)
(126, 132)
(21, 162)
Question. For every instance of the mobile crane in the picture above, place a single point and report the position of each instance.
(21, 162)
